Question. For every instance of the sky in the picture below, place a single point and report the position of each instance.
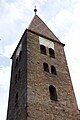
(61, 16)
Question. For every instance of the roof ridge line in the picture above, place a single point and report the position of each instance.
(44, 36)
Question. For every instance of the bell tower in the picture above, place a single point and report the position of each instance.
(41, 87)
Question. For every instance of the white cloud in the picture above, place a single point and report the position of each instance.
(4, 90)
(5, 75)
(62, 18)
(9, 49)
(74, 1)
(13, 17)
(3, 101)
(42, 1)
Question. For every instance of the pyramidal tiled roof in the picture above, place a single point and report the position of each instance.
(38, 26)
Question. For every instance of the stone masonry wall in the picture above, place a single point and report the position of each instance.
(39, 105)
(34, 101)
(18, 112)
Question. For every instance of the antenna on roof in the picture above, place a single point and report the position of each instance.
(35, 10)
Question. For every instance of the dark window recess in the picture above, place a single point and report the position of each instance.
(16, 62)
(16, 100)
(46, 67)
(51, 53)
(53, 93)
(43, 49)
(20, 55)
(53, 70)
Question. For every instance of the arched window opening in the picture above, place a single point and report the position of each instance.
(43, 49)
(46, 67)
(16, 100)
(53, 93)
(51, 53)
(53, 70)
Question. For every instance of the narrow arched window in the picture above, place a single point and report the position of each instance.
(51, 53)
(53, 70)
(53, 93)
(46, 67)
(16, 100)
(43, 49)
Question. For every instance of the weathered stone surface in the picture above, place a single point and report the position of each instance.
(34, 101)
(40, 107)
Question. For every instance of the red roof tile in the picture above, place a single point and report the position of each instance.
(38, 26)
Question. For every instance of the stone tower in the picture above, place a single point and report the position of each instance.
(40, 87)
